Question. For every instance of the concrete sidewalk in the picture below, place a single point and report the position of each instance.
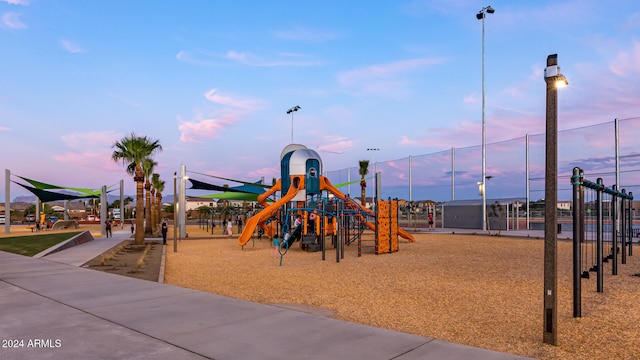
(54, 310)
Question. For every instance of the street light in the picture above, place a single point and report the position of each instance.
(480, 16)
(291, 111)
(553, 77)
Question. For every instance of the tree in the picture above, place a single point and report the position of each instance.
(147, 167)
(363, 170)
(131, 150)
(158, 185)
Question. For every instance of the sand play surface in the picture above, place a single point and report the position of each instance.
(476, 290)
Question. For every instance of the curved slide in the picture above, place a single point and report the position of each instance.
(264, 214)
(326, 185)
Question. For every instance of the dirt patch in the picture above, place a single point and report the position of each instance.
(137, 261)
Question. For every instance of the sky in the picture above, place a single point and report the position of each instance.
(213, 80)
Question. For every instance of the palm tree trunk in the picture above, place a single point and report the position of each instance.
(152, 209)
(139, 237)
(158, 207)
(147, 225)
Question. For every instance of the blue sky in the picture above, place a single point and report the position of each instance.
(212, 80)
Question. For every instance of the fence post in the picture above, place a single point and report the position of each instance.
(630, 223)
(576, 182)
(614, 232)
(599, 242)
(623, 221)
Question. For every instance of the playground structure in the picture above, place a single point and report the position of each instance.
(301, 194)
(590, 240)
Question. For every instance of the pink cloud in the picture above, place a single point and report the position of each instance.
(80, 140)
(4, 128)
(101, 160)
(17, 2)
(200, 130)
(335, 144)
(71, 47)
(11, 20)
(280, 59)
(357, 76)
(627, 62)
(244, 104)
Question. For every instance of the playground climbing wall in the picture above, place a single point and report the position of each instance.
(387, 227)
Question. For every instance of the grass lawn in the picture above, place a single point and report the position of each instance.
(31, 245)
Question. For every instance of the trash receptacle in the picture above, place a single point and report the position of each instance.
(559, 228)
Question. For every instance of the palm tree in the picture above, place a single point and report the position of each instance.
(158, 185)
(363, 171)
(127, 201)
(147, 167)
(131, 150)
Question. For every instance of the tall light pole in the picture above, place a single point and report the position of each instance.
(554, 79)
(480, 16)
(291, 111)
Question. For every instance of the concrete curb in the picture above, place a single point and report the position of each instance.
(161, 274)
(81, 238)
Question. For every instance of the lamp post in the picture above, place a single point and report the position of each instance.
(291, 111)
(554, 79)
(480, 16)
(375, 171)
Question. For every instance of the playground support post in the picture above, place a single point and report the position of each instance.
(576, 182)
(599, 240)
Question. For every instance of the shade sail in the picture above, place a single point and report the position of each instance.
(46, 196)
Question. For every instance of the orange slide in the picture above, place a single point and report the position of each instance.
(266, 213)
(325, 184)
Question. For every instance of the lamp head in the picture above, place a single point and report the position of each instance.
(561, 82)
(480, 15)
(490, 10)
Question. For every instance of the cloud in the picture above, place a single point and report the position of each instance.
(11, 20)
(385, 79)
(189, 57)
(335, 144)
(627, 62)
(94, 160)
(471, 99)
(71, 47)
(281, 59)
(99, 142)
(247, 58)
(242, 104)
(17, 2)
(4, 128)
(304, 34)
(200, 130)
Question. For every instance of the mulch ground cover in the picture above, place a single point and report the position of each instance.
(137, 261)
